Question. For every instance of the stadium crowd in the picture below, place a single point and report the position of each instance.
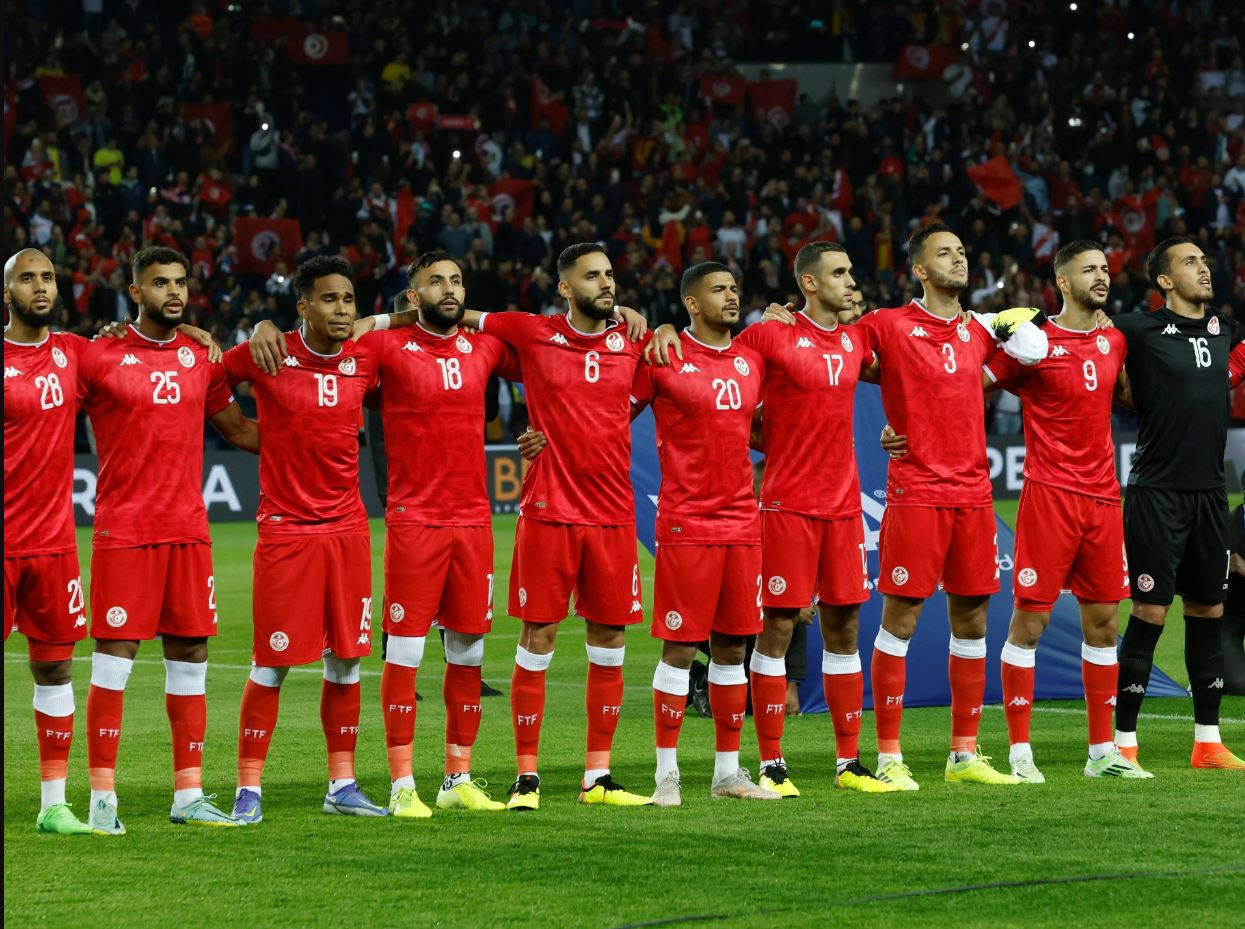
(501, 132)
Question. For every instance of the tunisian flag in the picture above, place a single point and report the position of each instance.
(723, 88)
(924, 62)
(318, 49)
(773, 102)
(63, 95)
(1134, 216)
(519, 195)
(997, 181)
(263, 242)
(217, 117)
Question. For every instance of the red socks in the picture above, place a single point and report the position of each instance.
(1017, 674)
(728, 698)
(397, 705)
(966, 667)
(188, 721)
(888, 673)
(461, 691)
(603, 701)
(527, 706)
(1100, 671)
(257, 720)
(769, 704)
(844, 687)
(339, 715)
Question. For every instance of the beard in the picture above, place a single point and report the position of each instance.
(1199, 294)
(1086, 298)
(442, 318)
(29, 316)
(160, 317)
(590, 309)
(946, 282)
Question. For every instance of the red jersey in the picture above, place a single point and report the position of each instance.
(1066, 403)
(703, 406)
(147, 401)
(40, 402)
(810, 384)
(432, 406)
(309, 417)
(578, 394)
(931, 392)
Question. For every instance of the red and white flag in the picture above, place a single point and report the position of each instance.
(262, 242)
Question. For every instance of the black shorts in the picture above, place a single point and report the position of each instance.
(1177, 543)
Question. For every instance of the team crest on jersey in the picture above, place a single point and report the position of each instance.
(962, 331)
(614, 342)
(397, 612)
(741, 366)
(58, 357)
(1027, 577)
(278, 641)
(116, 616)
(900, 575)
(847, 343)
(1212, 326)
(777, 585)
(1145, 583)
(522, 596)
(1103, 345)
(463, 345)
(346, 366)
(674, 620)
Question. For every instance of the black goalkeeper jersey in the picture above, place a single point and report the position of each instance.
(1178, 368)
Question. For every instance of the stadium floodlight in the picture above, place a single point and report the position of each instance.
(456, 153)
(1032, 44)
(1072, 7)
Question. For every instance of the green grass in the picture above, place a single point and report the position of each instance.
(827, 857)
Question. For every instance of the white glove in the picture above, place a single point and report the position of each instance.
(1028, 344)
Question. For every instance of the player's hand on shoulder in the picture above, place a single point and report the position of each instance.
(530, 443)
(267, 345)
(112, 331)
(635, 322)
(665, 339)
(204, 338)
(893, 444)
(783, 313)
(1102, 320)
(471, 320)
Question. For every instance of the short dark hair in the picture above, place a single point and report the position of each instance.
(917, 240)
(313, 269)
(1067, 252)
(697, 273)
(1157, 261)
(807, 257)
(426, 259)
(144, 258)
(572, 254)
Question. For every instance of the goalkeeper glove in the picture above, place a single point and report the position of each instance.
(1005, 323)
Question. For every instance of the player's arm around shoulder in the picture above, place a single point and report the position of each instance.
(267, 347)
(234, 428)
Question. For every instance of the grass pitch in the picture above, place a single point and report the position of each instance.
(1165, 852)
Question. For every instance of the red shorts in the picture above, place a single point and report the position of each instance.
(802, 556)
(1068, 541)
(597, 563)
(922, 545)
(311, 594)
(706, 588)
(140, 593)
(438, 572)
(43, 600)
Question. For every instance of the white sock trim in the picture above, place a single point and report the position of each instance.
(671, 680)
(891, 644)
(530, 661)
(726, 674)
(1206, 733)
(1017, 656)
(1099, 655)
(341, 670)
(1126, 739)
(462, 649)
(110, 671)
(770, 667)
(266, 676)
(185, 678)
(54, 699)
(968, 648)
(406, 650)
(606, 657)
(834, 663)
